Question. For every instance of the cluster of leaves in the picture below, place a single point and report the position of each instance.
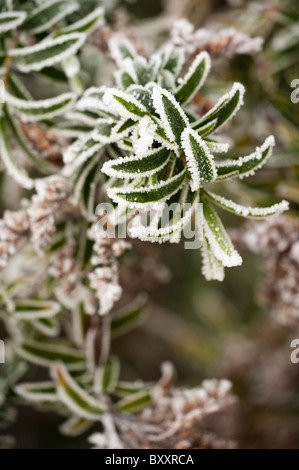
(161, 152)
(38, 40)
(146, 139)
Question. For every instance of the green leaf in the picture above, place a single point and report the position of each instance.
(18, 88)
(194, 79)
(74, 397)
(200, 162)
(206, 128)
(143, 71)
(29, 309)
(245, 166)
(128, 318)
(42, 392)
(143, 95)
(121, 48)
(212, 268)
(124, 104)
(75, 426)
(45, 354)
(49, 327)
(225, 109)
(173, 118)
(123, 128)
(134, 402)
(86, 24)
(218, 238)
(149, 196)
(103, 130)
(48, 14)
(54, 74)
(172, 59)
(133, 167)
(12, 167)
(111, 374)
(128, 388)
(255, 212)
(31, 111)
(84, 149)
(124, 79)
(10, 20)
(88, 191)
(48, 52)
(164, 229)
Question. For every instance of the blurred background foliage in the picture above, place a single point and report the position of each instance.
(217, 329)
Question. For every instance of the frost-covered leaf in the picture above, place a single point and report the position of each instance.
(256, 212)
(246, 166)
(48, 52)
(18, 89)
(129, 318)
(173, 118)
(172, 59)
(10, 20)
(134, 402)
(110, 374)
(121, 48)
(124, 104)
(86, 24)
(103, 131)
(42, 392)
(69, 130)
(194, 79)
(41, 109)
(49, 327)
(48, 14)
(148, 196)
(200, 161)
(85, 148)
(75, 398)
(75, 426)
(81, 177)
(8, 159)
(207, 128)
(225, 109)
(161, 232)
(143, 95)
(216, 147)
(144, 136)
(92, 103)
(88, 189)
(123, 79)
(124, 388)
(45, 354)
(212, 268)
(133, 167)
(218, 238)
(139, 70)
(30, 309)
(122, 129)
